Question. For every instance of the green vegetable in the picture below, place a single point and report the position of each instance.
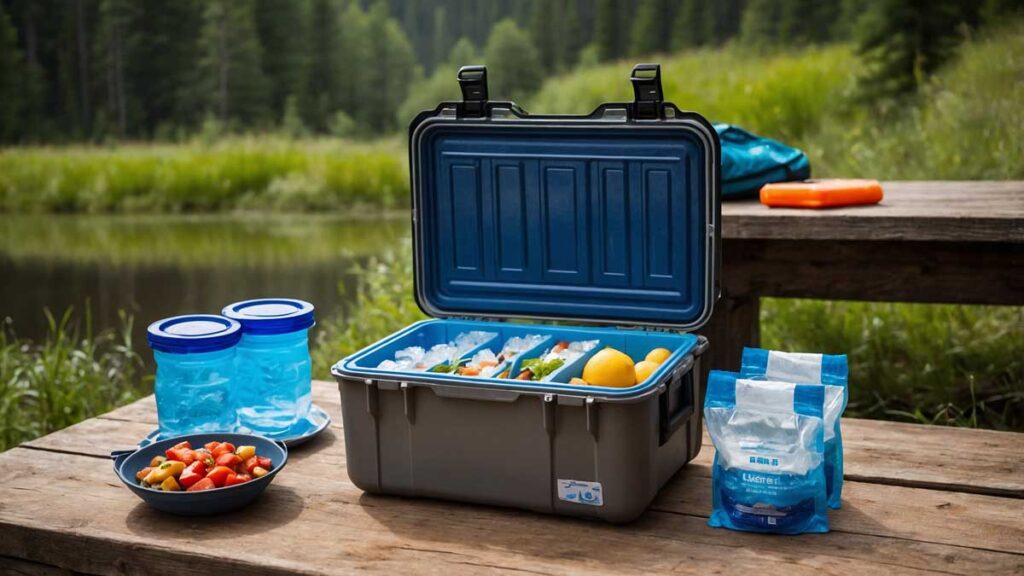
(541, 368)
(452, 368)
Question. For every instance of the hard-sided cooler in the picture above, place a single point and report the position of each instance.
(607, 222)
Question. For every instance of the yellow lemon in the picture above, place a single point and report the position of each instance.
(611, 368)
(644, 369)
(658, 355)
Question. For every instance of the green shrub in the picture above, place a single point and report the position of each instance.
(929, 363)
(966, 124)
(265, 173)
(383, 304)
(70, 376)
(784, 96)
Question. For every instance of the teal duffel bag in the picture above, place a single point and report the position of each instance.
(750, 161)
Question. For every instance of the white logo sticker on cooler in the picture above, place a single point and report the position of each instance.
(579, 492)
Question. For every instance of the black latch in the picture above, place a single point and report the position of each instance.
(473, 82)
(647, 94)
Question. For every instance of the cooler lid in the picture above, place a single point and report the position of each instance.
(607, 218)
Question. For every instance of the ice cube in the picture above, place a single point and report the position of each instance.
(517, 344)
(411, 354)
(583, 346)
(468, 340)
(483, 356)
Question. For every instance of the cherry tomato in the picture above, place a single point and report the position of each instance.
(233, 479)
(182, 454)
(211, 446)
(264, 463)
(204, 484)
(251, 463)
(186, 445)
(229, 460)
(192, 474)
(223, 448)
(219, 474)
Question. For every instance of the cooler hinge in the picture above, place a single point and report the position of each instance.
(475, 318)
(473, 82)
(647, 93)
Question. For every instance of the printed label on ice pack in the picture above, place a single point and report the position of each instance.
(581, 492)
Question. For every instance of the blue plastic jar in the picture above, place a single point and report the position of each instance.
(273, 390)
(195, 369)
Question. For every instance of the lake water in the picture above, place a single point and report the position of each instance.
(159, 266)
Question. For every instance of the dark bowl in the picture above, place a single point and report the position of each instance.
(205, 502)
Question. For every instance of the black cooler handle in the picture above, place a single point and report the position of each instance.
(473, 83)
(675, 405)
(647, 93)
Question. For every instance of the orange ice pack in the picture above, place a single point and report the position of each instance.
(821, 193)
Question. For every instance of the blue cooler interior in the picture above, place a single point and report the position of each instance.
(575, 222)
(635, 343)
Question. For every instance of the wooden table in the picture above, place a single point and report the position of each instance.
(955, 242)
(917, 500)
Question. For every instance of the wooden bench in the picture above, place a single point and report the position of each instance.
(956, 242)
(917, 500)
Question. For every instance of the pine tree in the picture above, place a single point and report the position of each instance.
(646, 37)
(512, 62)
(230, 64)
(905, 41)
(350, 54)
(723, 19)
(440, 44)
(608, 29)
(760, 27)
(544, 31)
(464, 53)
(116, 43)
(320, 92)
(393, 70)
(12, 79)
(796, 22)
(162, 65)
(571, 40)
(689, 29)
(851, 12)
(281, 27)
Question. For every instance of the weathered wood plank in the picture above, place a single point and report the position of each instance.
(978, 461)
(971, 520)
(17, 567)
(734, 324)
(926, 211)
(934, 457)
(952, 272)
(316, 521)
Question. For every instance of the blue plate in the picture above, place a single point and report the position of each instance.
(305, 430)
(205, 502)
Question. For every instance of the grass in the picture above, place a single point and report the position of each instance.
(251, 240)
(784, 95)
(74, 373)
(266, 173)
(925, 363)
(383, 303)
(967, 124)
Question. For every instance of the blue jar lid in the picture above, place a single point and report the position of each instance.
(271, 315)
(193, 333)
